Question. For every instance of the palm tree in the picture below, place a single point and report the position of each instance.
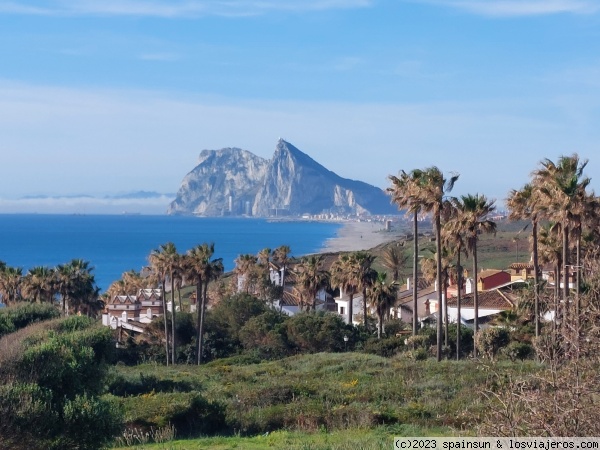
(404, 192)
(75, 284)
(345, 274)
(203, 270)
(281, 257)
(430, 190)
(525, 204)
(394, 259)
(382, 296)
(474, 209)
(10, 284)
(454, 239)
(163, 262)
(39, 284)
(311, 277)
(550, 252)
(245, 268)
(366, 277)
(563, 187)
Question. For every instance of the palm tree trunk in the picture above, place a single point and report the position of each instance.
(350, 306)
(578, 280)
(565, 258)
(365, 313)
(438, 245)
(166, 320)
(201, 328)
(173, 307)
(458, 291)
(415, 262)
(475, 298)
(380, 327)
(446, 308)
(536, 280)
(198, 319)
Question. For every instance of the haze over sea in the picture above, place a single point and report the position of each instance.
(114, 244)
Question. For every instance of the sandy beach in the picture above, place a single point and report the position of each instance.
(354, 236)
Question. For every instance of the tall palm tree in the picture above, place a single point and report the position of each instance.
(563, 186)
(454, 238)
(366, 277)
(475, 209)
(75, 284)
(345, 274)
(382, 296)
(526, 204)
(430, 191)
(163, 262)
(10, 284)
(245, 268)
(39, 284)
(202, 269)
(394, 259)
(281, 257)
(404, 192)
(550, 252)
(311, 277)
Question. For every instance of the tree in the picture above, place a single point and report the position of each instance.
(75, 284)
(525, 204)
(281, 257)
(311, 278)
(245, 268)
(345, 274)
(474, 210)
(366, 277)
(430, 189)
(39, 284)
(404, 192)
(454, 237)
(394, 260)
(563, 188)
(163, 262)
(10, 284)
(382, 296)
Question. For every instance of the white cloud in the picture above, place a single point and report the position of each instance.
(516, 8)
(175, 8)
(85, 205)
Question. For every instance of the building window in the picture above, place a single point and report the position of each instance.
(342, 311)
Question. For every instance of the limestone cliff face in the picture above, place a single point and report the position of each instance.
(222, 183)
(291, 183)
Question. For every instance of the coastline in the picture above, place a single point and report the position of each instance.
(355, 236)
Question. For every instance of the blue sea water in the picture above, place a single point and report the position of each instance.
(114, 244)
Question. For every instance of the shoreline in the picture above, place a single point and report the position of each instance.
(356, 236)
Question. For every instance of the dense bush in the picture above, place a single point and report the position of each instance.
(519, 350)
(122, 386)
(384, 347)
(316, 332)
(21, 315)
(490, 340)
(265, 336)
(60, 366)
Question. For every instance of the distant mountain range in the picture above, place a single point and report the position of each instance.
(232, 181)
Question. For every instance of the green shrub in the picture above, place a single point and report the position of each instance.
(122, 386)
(19, 316)
(519, 350)
(384, 347)
(316, 332)
(490, 340)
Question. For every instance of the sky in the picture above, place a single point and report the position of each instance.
(105, 97)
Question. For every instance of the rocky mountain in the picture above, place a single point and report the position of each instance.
(234, 181)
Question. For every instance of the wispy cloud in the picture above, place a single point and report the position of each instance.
(516, 8)
(175, 8)
(165, 57)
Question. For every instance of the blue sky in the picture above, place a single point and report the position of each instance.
(104, 97)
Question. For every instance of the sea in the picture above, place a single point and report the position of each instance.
(114, 244)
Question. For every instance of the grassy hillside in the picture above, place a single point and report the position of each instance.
(317, 395)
